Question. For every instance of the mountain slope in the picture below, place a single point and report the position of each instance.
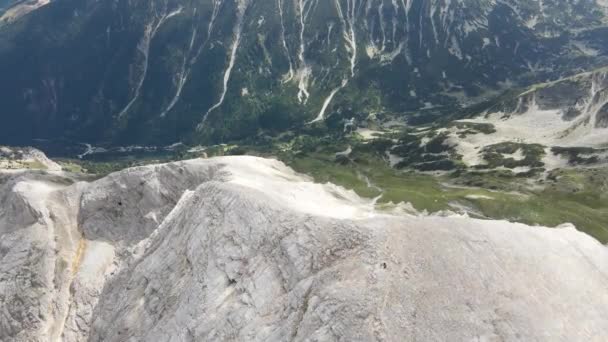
(243, 248)
(157, 71)
(568, 119)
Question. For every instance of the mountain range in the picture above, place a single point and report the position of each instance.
(158, 72)
(303, 170)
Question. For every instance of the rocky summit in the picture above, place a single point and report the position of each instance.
(161, 71)
(245, 249)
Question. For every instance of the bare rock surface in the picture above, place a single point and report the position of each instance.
(245, 249)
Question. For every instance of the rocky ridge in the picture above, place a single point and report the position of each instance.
(28, 157)
(243, 248)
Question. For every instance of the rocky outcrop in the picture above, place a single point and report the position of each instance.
(242, 248)
(38, 242)
(25, 158)
(602, 117)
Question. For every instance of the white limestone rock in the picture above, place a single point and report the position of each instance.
(245, 249)
(16, 158)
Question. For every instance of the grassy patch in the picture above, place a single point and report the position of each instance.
(424, 192)
(578, 197)
(578, 155)
(468, 128)
(23, 164)
(496, 155)
(70, 166)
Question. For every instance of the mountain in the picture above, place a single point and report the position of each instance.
(566, 120)
(157, 72)
(577, 108)
(243, 248)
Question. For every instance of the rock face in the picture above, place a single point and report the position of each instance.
(244, 249)
(153, 71)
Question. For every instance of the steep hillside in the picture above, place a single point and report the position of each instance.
(160, 71)
(243, 248)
